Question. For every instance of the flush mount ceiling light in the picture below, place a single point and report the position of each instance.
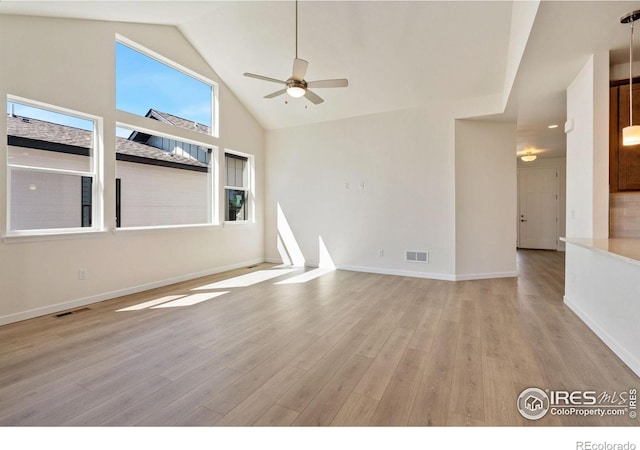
(528, 157)
(631, 134)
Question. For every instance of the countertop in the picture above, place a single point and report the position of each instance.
(627, 249)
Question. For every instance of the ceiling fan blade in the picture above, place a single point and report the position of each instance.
(276, 93)
(299, 69)
(260, 77)
(338, 82)
(313, 97)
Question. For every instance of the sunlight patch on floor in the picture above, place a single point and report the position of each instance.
(150, 303)
(190, 300)
(246, 280)
(304, 277)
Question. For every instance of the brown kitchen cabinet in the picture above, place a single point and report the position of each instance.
(624, 162)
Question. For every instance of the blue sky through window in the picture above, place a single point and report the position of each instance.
(49, 116)
(143, 83)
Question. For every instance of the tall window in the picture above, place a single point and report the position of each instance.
(236, 187)
(165, 175)
(52, 160)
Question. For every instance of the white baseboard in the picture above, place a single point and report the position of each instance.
(410, 273)
(401, 273)
(273, 261)
(627, 357)
(52, 309)
(485, 276)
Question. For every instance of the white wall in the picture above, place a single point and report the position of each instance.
(411, 169)
(405, 160)
(600, 288)
(486, 199)
(523, 14)
(70, 63)
(561, 165)
(603, 290)
(588, 151)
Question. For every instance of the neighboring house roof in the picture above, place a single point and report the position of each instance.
(178, 121)
(169, 119)
(40, 130)
(34, 133)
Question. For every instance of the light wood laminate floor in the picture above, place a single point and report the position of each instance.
(342, 349)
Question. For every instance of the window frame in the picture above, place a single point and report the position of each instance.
(215, 116)
(135, 122)
(212, 191)
(249, 189)
(96, 173)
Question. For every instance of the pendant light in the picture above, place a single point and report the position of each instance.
(631, 134)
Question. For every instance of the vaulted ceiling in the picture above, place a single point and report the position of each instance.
(395, 54)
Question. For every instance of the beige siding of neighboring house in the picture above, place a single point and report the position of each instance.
(150, 195)
(41, 200)
(153, 195)
(45, 200)
(20, 156)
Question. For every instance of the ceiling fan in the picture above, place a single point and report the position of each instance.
(296, 85)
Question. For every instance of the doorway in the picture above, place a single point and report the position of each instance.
(538, 208)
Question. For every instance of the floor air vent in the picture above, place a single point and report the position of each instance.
(416, 256)
(68, 313)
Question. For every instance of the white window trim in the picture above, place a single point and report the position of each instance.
(164, 227)
(215, 121)
(146, 125)
(96, 172)
(250, 189)
(212, 184)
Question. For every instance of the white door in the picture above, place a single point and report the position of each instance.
(538, 208)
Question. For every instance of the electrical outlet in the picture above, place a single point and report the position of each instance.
(380, 252)
(82, 274)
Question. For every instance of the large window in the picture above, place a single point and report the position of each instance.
(164, 172)
(237, 187)
(162, 181)
(53, 168)
(148, 87)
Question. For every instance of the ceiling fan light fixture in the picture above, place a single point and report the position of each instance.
(295, 91)
(296, 85)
